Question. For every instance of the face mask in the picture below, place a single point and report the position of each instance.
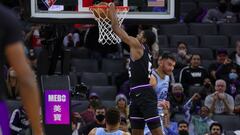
(100, 117)
(222, 7)
(94, 103)
(178, 94)
(183, 132)
(207, 85)
(233, 76)
(182, 52)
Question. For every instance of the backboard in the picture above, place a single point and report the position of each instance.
(69, 11)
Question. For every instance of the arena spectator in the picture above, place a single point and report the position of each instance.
(121, 104)
(182, 56)
(237, 104)
(94, 102)
(183, 128)
(12, 84)
(220, 14)
(19, 123)
(215, 129)
(233, 81)
(199, 124)
(98, 122)
(220, 102)
(177, 98)
(71, 40)
(222, 55)
(207, 89)
(235, 56)
(194, 74)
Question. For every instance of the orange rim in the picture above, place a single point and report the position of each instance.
(119, 8)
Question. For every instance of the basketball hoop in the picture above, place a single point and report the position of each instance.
(106, 34)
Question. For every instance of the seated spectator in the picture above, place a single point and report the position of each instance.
(194, 104)
(12, 84)
(194, 74)
(121, 104)
(220, 14)
(208, 88)
(233, 82)
(19, 123)
(235, 56)
(71, 40)
(220, 102)
(222, 55)
(77, 123)
(237, 104)
(177, 99)
(183, 128)
(199, 124)
(98, 122)
(182, 56)
(94, 102)
(215, 129)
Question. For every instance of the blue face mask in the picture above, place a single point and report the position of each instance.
(233, 76)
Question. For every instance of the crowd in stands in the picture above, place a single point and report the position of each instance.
(199, 92)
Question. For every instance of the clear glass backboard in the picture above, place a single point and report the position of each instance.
(141, 11)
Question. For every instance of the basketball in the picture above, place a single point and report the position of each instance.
(101, 12)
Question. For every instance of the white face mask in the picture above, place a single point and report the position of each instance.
(182, 52)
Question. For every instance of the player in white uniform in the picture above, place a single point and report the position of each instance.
(160, 80)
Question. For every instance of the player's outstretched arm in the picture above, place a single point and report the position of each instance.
(129, 40)
(28, 84)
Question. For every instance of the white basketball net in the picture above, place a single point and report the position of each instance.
(106, 34)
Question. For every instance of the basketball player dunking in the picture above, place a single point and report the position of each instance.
(143, 104)
(11, 49)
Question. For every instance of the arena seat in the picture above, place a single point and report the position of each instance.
(233, 39)
(191, 40)
(173, 29)
(79, 106)
(98, 79)
(229, 29)
(105, 92)
(84, 65)
(109, 103)
(214, 41)
(229, 122)
(80, 53)
(113, 66)
(205, 53)
(186, 7)
(208, 5)
(206, 63)
(73, 79)
(202, 29)
(163, 41)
